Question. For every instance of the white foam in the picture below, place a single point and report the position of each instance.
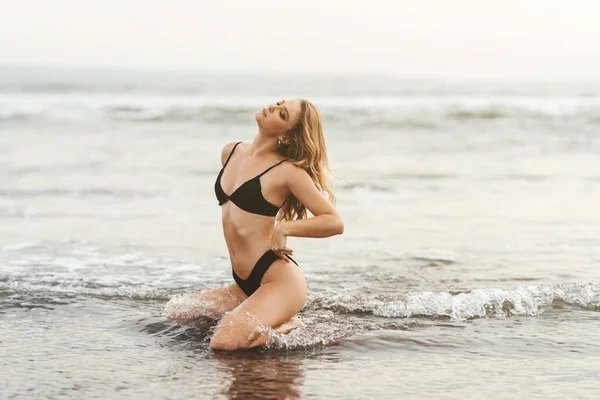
(478, 303)
(187, 307)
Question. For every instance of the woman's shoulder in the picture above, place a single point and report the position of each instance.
(291, 170)
(227, 149)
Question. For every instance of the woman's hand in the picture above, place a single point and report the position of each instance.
(279, 241)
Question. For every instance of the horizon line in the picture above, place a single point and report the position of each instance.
(309, 73)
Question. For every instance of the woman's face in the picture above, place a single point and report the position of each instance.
(276, 119)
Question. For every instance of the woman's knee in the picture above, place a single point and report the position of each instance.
(239, 330)
(227, 335)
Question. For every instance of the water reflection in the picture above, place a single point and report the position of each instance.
(259, 375)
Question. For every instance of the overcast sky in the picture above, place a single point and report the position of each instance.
(545, 39)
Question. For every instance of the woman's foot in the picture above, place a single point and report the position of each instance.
(289, 325)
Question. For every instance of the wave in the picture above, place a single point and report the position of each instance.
(43, 294)
(478, 303)
(359, 112)
(329, 319)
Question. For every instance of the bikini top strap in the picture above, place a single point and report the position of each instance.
(271, 167)
(230, 154)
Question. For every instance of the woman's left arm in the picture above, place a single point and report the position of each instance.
(326, 221)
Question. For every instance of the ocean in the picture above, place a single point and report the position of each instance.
(469, 266)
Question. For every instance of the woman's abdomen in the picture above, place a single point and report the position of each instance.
(247, 241)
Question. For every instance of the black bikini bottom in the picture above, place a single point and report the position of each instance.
(252, 283)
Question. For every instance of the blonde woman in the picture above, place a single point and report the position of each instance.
(265, 189)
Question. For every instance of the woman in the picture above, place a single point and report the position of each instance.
(285, 164)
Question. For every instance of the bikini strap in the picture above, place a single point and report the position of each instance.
(230, 154)
(271, 167)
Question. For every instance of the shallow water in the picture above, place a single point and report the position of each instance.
(468, 266)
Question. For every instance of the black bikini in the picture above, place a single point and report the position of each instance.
(249, 198)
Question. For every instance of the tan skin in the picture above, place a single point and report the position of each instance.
(282, 293)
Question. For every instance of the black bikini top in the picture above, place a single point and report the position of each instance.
(249, 195)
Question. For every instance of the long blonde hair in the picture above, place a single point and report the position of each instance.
(307, 150)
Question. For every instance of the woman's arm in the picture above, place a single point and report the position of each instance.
(326, 221)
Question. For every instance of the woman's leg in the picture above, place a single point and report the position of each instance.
(280, 297)
(289, 325)
(209, 303)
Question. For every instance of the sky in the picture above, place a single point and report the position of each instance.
(503, 39)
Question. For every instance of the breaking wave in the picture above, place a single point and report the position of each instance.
(415, 112)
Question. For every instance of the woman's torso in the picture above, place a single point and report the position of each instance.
(247, 234)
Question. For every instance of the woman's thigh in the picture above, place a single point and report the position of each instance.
(278, 299)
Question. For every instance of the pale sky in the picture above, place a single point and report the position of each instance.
(506, 39)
